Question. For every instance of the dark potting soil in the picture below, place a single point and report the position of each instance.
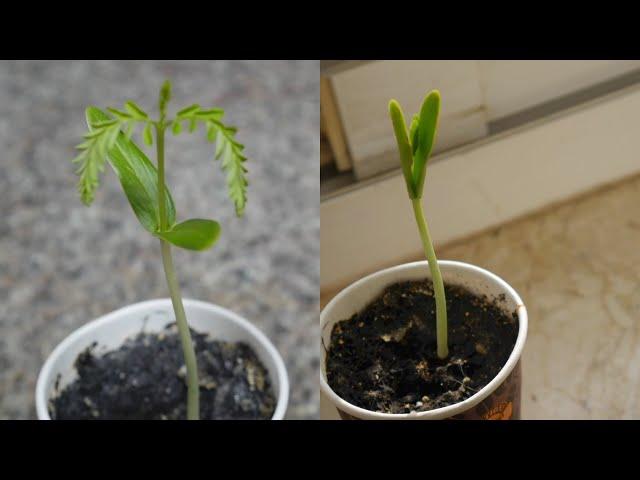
(144, 379)
(384, 358)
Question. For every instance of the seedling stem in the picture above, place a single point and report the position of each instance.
(414, 149)
(436, 276)
(109, 140)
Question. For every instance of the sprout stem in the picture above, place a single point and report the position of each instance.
(436, 276)
(193, 389)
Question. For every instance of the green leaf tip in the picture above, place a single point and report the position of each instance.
(415, 147)
(98, 142)
(227, 149)
(165, 96)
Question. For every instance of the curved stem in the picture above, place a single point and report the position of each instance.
(193, 392)
(193, 389)
(436, 276)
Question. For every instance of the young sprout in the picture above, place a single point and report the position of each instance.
(109, 140)
(415, 148)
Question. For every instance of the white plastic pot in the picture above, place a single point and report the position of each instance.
(359, 294)
(112, 329)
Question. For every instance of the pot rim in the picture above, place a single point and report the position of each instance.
(442, 412)
(47, 369)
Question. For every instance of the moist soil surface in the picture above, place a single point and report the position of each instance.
(144, 379)
(384, 358)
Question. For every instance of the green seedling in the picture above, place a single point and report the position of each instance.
(414, 148)
(109, 141)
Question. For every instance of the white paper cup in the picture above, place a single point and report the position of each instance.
(111, 330)
(500, 398)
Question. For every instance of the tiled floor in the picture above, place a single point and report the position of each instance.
(577, 267)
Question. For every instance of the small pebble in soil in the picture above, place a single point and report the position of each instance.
(144, 379)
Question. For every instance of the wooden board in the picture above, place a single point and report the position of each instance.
(474, 93)
(363, 93)
(331, 125)
(472, 189)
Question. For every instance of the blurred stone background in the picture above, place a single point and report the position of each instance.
(63, 264)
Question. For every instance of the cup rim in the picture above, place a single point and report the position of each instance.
(47, 369)
(449, 410)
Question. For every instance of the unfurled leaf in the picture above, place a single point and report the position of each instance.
(194, 234)
(138, 177)
(227, 149)
(230, 152)
(93, 155)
